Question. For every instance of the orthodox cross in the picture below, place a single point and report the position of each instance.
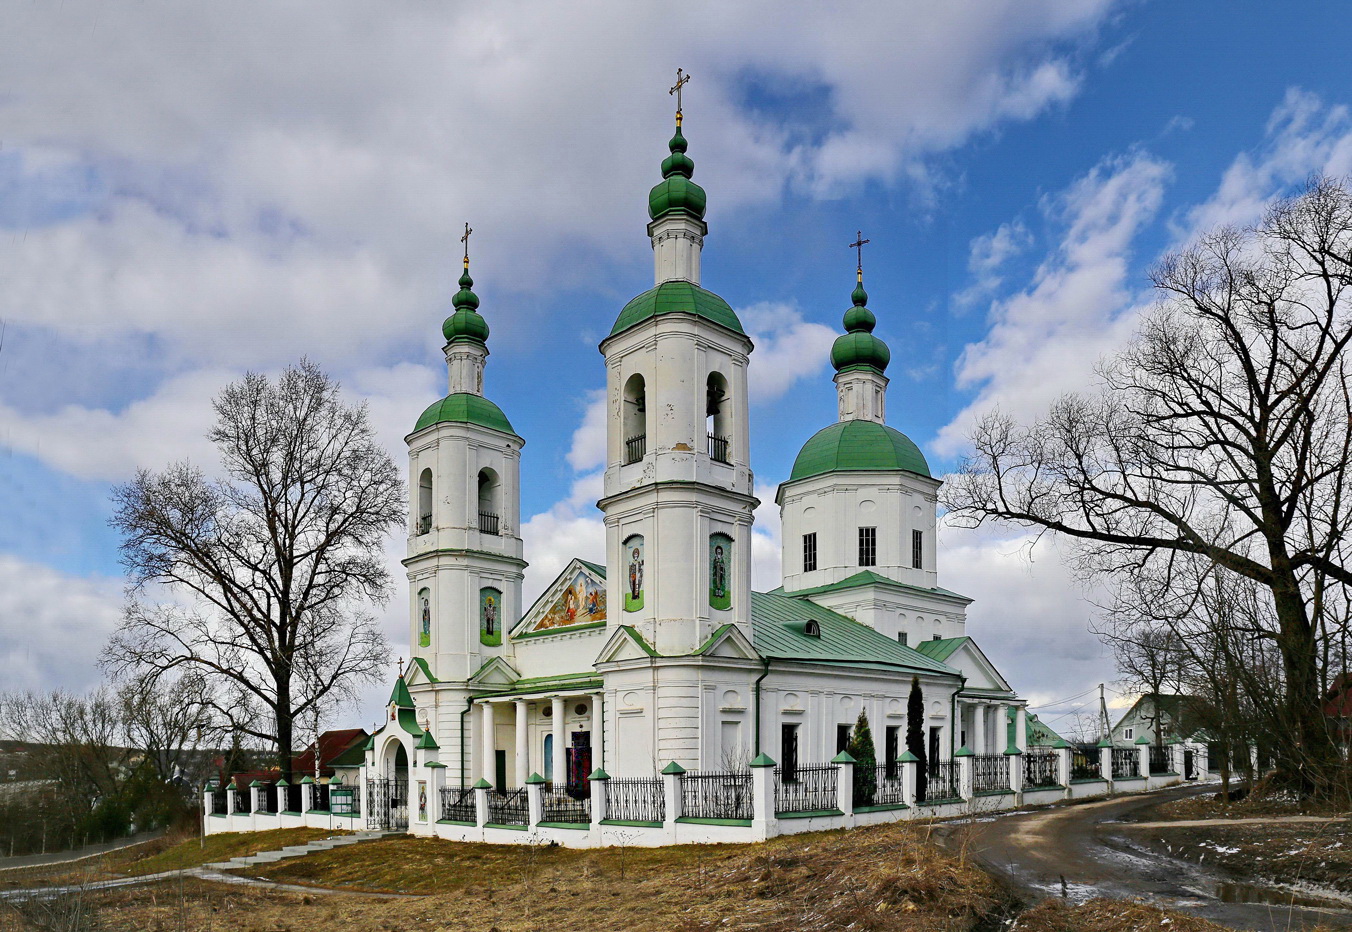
(682, 79)
(465, 239)
(858, 245)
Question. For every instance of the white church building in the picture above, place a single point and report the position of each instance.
(661, 674)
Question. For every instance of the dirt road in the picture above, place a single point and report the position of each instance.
(1075, 851)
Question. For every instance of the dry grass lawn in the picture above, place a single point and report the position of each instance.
(1109, 916)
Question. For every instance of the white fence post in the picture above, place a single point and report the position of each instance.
(672, 775)
(599, 782)
(481, 790)
(1105, 749)
(1143, 748)
(307, 793)
(763, 820)
(1177, 760)
(434, 813)
(845, 764)
(1015, 758)
(1063, 753)
(909, 762)
(535, 799)
(966, 784)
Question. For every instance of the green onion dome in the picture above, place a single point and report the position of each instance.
(858, 346)
(858, 446)
(676, 191)
(465, 323)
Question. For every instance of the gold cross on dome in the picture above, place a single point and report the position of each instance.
(682, 79)
(858, 245)
(465, 239)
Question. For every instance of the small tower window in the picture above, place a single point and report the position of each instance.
(424, 523)
(812, 629)
(901, 638)
(634, 420)
(490, 489)
(716, 407)
(917, 549)
(868, 546)
(809, 552)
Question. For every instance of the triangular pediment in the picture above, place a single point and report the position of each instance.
(980, 672)
(577, 596)
(729, 641)
(625, 644)
(495, 673)
(419, 673)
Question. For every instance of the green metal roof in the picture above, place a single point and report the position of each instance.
(858, 446)
(465, 408)
(677, 297)
(596, 568)
(777, 629)
(941, 648)
(399, 695)
(354, 756)
(870, 578)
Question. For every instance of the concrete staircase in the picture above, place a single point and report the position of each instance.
(298, 851)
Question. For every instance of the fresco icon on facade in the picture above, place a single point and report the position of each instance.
(633, 566)
(720, 571)
(582, 602)
(424, 618)
(490, 616)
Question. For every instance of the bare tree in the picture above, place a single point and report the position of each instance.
(266, 573)
(1223, 432)
(1149, 658)
(169, 721)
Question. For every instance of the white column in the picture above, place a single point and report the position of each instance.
(560, 759)
(598, 705)
(1021, 727)
(487, 743)
(522, 743)
(979, 724)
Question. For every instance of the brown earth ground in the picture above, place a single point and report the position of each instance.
(888, 878)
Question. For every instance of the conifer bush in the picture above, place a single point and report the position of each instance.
(860, 747)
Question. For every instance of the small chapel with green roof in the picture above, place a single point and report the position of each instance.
(663, 656)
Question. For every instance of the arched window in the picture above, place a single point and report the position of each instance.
(634, 419)
(549, 759)
(717, 408)
(490, 488)
(424, 502)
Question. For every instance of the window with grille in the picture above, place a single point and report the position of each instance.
(901, 638)
(842, 737)
(809, 552)
(868, 546)
(917, 549)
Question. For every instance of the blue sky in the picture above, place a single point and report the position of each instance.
(186, 194)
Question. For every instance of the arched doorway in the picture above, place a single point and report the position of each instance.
(387, 793)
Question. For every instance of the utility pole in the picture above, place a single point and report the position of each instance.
(1103, 712)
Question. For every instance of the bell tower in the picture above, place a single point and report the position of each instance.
(678, 484)
(464, 548)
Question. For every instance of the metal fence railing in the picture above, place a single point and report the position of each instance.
(990, 773)
(561, 806)
(718, 448)
(509, 809)
(1084, 764)
(1126, 763)
(269, 799)
(717, 795)
(1040, 769)
(1161, 760)
(636, 799)
(457, 804)
(218, 804)
(887, 787)
(319, 797)
(488, 523)
(243, 800)
(635, 448)
(291, 801)
(942, 781)
(806, 788)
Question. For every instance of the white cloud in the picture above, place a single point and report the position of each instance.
(53, 625)
(571, 528)
(987, 255)
(788, 348)
(588, 449)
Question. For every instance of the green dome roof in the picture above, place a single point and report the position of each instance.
(858, 346)
(676, 191)
(465, 323)
(858, 446)
(465, 408)
(677, 297)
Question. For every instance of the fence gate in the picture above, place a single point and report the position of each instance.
(387, 804)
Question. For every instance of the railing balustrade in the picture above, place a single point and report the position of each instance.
(719, 795)
(888, 790)
(457, 804)
(990, 773)
(292, 801)
(942, 782)
(319, 797)
(509, 809)
(635, 448)
(1160, 760)
(1040, 769)
(806, 788)
(1084, 764)
(269, 799)
(424, 524)
(243, 801)
(561, 806)
(488, 524)
(635, 799)
(718, 448)
(218, 804)
(1126, 763)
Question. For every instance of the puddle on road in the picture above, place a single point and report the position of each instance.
(1235, 892)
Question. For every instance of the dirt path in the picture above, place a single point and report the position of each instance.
(1074, 851)
(1271, 820)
